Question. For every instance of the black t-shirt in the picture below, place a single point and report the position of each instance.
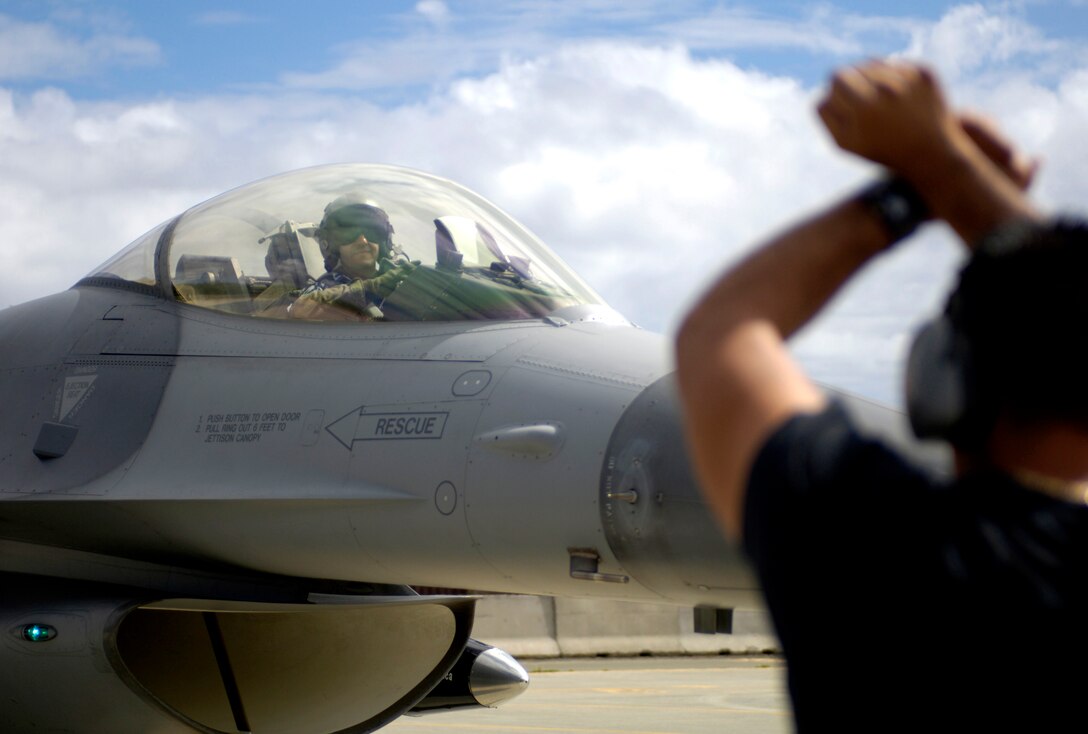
(904, 603)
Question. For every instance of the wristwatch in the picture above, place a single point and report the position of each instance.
(896, 204)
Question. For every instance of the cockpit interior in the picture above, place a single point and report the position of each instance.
(261, 250)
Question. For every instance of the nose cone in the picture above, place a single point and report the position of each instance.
(496, 677)
(654, 516)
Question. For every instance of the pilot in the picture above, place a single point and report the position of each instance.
(903, 601)
(362, 263)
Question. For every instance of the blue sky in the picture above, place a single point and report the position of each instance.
(130, 50)
(647, 143)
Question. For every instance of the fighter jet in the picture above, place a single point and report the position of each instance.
(231, 454)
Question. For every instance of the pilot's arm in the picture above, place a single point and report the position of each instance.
(357, 299)
(737, 380)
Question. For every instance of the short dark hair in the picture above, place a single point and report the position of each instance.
(1022, 304)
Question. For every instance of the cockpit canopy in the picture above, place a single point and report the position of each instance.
(273, 249)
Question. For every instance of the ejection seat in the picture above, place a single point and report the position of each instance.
(212, 281)
(286, 265)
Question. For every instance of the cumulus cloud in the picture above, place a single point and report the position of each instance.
(645, 167)
(48, 51)
(970, 37)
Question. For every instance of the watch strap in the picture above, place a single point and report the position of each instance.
(896, 203)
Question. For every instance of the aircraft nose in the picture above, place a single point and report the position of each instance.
(653, 513)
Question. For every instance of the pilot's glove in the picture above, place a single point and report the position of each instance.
(359, 293)
(382, 286)
(347, 294)
(339, 302)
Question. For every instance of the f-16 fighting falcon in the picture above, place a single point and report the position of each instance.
(229, 453)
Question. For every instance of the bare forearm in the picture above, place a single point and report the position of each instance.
(968, 190)
(737, 380)
(787, 281)
(895, 114)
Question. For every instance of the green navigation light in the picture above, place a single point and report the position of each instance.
(39, 632)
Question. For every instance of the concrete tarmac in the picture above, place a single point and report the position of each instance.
(645, 695)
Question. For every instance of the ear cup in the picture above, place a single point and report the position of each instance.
(938, 383)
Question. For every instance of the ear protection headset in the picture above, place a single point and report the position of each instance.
(948, 393)
(945, 399)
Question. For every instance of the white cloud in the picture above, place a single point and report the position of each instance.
(437, 45)
(970, 38)
(738, 27)
(435, 11)
(46, 51)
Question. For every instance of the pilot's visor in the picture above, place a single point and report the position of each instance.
(340, 237)
(345, 225)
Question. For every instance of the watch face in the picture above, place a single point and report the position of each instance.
(897, 205)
